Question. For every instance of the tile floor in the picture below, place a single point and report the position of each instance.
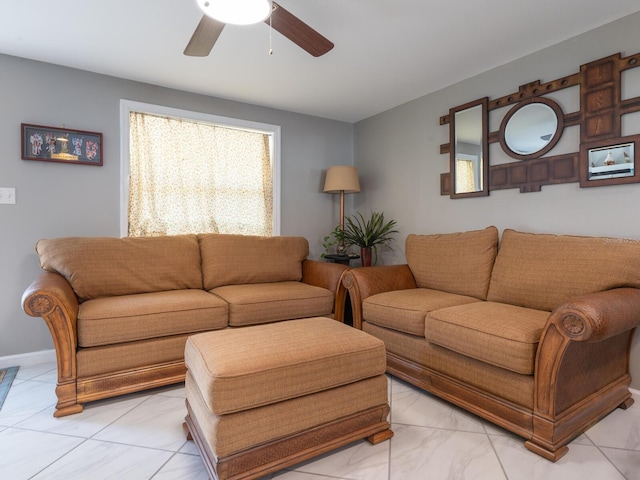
(140, 437)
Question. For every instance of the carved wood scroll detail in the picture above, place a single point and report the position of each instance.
(40, 304)
(573, 325)
(599, 118)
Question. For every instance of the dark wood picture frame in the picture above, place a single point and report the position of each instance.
(51, 144)
(620, 172)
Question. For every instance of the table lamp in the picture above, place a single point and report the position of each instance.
(341, 179)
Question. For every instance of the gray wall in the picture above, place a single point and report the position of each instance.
(55, 199)
(398, 156)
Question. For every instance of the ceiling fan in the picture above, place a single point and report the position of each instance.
(280, 19)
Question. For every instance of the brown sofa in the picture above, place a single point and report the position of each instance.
(120, 309)
(533, 336)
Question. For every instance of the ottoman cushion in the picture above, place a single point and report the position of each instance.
(279, 361)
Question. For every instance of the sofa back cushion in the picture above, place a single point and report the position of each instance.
(103, 267)
(543, 271)
(244, 259)
(454, 262)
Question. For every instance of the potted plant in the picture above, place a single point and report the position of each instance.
(334, 238)
(368, 234)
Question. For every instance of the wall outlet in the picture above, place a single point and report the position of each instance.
(7, 195)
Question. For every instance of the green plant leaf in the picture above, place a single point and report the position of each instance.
(370, 232)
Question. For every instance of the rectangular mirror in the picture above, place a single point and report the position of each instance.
(469, 156)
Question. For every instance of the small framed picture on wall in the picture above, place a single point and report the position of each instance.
(51, 144)
(609, 162)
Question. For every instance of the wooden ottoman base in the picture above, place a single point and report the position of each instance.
(285, 452)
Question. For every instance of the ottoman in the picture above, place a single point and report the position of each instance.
(266, 397)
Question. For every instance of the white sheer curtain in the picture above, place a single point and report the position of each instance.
(190, 177)
(465, 176)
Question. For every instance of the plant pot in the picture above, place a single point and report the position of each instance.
(365, 256)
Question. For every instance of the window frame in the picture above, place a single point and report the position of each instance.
(127, 106)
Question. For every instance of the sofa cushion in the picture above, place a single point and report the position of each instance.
(104, 267)
(279, 361)
(455, 262)
(543, 271)
(503, 335)
(488, 378)
(243, 259)
(269, 302)
(405, 310)
(127, 318)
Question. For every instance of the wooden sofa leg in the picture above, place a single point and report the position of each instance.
(554, 456)
(380, 436)
(70, 410)
(187, 432)
(626, 404)
(67, 400)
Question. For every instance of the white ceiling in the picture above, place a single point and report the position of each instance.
(387, 52)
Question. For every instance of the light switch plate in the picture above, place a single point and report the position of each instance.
(7, 195)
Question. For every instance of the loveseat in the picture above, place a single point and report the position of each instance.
(533, 336)
(120, 309)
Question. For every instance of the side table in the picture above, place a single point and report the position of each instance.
(341, 259)
(347, 316)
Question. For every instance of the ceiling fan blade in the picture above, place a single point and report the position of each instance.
(204, 37)
(298, 32)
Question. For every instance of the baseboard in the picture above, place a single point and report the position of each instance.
(28, 359)
(635, 393)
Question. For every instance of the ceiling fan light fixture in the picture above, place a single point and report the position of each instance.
(236, 12)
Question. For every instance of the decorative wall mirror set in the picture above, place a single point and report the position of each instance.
(532, 127)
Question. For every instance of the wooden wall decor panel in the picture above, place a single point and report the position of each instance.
(498, 176)
(599, 119)
(599, 126)
(532, 175)
(600, 99)
(445, 183)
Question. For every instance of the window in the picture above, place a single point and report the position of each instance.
(185, 172)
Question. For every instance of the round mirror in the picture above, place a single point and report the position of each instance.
(531, 128)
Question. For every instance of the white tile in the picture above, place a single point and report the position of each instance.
(620, 429)
(293, 475)
(140, 437)
(183, 467)
(412, 406)
(95, 417)
(580, 463)
(32, 371)
(48, 377)
(156, 423)
(190, 448)
(358, 461)
(418, 453)
(25, 453)
(105, 461)
(626, 461)
(176, 390)
(26, 399)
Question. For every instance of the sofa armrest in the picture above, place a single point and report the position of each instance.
(582, 364)
(326, 275)
(51, 297)
(322, 274)
(598, 316)
(365, 282)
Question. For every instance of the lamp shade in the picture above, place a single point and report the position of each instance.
(236, 12)
(342, 179)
